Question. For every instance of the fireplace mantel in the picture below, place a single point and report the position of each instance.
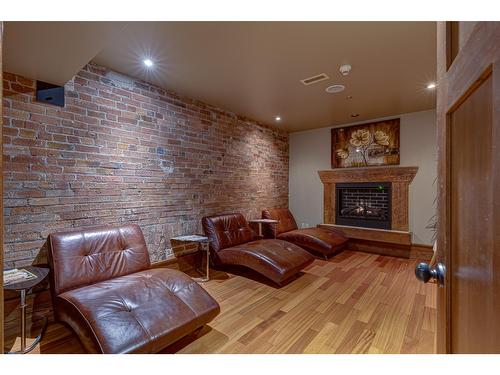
(400, 177)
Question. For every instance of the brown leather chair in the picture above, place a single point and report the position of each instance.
(103, 288)
(317, 240)
(232, 242)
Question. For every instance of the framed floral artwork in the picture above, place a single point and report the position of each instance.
(366, 145)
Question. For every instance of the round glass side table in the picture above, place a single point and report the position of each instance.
(24, 287)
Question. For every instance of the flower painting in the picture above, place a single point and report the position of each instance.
(366, 145)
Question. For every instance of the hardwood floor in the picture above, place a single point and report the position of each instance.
(353, 303)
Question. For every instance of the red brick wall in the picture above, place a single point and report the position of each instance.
(122, 150)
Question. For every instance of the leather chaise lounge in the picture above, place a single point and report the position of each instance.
(317, 240)
(103, 288)
(232, 242)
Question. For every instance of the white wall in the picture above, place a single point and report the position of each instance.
(310, 153)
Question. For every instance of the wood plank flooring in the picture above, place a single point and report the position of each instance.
(353, 303)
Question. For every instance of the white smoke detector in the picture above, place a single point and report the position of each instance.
(345, 69)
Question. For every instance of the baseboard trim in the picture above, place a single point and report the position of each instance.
(421, 251)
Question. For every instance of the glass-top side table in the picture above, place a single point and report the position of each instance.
(203, 245)
(264, 221)
(24, 287)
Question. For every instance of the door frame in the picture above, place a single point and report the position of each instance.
(457, 79)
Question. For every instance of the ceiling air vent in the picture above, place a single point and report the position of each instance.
(316, 78)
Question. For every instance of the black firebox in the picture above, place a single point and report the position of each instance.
(364, 204)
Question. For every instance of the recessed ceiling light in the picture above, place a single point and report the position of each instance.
(431, 86)
(355, 115)
(277, 118)
(348, 97)
(148, 63)
(333, 89)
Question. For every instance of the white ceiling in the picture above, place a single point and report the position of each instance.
(250, 68)
(54, 51)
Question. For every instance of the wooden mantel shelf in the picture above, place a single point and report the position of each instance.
(400, 177)
(369, 174)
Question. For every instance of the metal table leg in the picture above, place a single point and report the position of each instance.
(207, 250)
(25, 349)
(205, 247)
(23, 320)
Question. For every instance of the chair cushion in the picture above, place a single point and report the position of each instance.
(142, 312)
(321, 240)
(277, 260)
(82, 257)
(286, 222)
(226, 231)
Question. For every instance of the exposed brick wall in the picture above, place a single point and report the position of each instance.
(122, 150)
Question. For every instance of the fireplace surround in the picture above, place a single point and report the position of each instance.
(398, 177)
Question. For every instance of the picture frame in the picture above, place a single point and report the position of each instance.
(366, 145)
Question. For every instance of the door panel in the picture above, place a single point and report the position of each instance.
(471, 207)
(1, 190)
(459, 34)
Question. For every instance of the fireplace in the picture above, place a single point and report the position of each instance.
(397, 178)
(364, 204)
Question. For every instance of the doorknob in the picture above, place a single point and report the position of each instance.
(424, 272)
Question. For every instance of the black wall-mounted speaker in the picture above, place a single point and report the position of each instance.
(49, 93)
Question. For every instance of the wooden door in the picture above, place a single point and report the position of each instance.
(1, 191)
(468, 115)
